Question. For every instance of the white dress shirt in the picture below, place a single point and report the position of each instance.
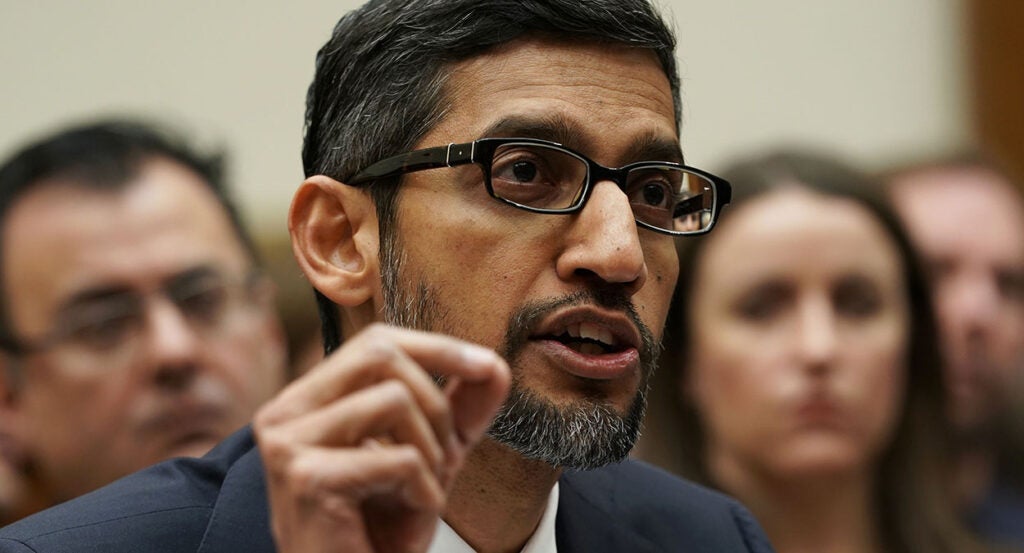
(542, 540)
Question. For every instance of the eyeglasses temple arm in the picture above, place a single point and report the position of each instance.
(693, 204)
(429, 158)
(722, 192)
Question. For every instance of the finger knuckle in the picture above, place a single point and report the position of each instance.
(409, 459)
(304, 478)
(265, 419)
(375, 332)
(276, 450)
(380, 354)
(437, 409)
(395, 393)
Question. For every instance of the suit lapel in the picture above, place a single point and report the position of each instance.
(584, 523)
(241, 519)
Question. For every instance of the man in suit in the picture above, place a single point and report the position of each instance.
(492, 198)
(136, 326)
(966, 216)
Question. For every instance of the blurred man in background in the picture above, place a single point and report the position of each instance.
(135, 323)
(966, 217)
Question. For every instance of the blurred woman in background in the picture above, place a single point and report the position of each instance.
(801, 373)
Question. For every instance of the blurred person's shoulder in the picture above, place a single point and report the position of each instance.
(634, 506)
(167, 507)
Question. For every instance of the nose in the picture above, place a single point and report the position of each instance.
(817, 334)
(970, 304)
(603, 243)
(172, 345)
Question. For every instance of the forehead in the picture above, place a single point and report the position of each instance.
(61, 237)
(798, 232)
(597, 95)
(963, 212)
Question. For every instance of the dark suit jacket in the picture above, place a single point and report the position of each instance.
(218, 504)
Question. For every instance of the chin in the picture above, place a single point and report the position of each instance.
(820, 458)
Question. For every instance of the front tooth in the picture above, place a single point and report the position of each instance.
(574, 330)
(607, 337)
(591, 331)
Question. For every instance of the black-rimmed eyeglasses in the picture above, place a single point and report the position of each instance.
(546, 177)
(106, 332)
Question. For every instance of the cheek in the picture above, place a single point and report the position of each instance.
(250, 364)
(75, 408)
(654, 300)
(1009, 328)
(732, 386)
(480, 266)
(878, 380)
(474, 299)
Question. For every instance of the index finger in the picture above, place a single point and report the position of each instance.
(360, 360)
(480, 377)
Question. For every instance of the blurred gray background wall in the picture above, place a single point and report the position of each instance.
(874, 79)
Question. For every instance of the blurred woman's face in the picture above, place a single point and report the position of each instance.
(800, 326)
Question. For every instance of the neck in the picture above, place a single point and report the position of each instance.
(975, 471)
(498, 498)
(23, 493)
(831, 513)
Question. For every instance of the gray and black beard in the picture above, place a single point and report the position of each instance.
(581, 435)
(584, 434)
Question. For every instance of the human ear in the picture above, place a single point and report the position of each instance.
(335, 239)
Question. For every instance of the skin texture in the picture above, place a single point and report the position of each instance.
(494, 259)
(797, 365)
(547, 257)
(969, 227)
(183, 391)
(800, 324)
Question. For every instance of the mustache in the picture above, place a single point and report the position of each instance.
(528, 316)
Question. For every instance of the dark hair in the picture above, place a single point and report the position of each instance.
(380, 79)
(914, 509)
(105, 155)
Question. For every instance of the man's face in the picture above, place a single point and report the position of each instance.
(969, 226)
(160, 348)
(577, 302)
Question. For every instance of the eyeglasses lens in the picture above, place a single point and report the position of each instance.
(537, 176)
(543, 177)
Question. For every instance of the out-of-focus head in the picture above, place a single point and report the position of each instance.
(799, 324)
(967, 219)
(799, 319)
(575, 301)
(136, 325)
(801, 343)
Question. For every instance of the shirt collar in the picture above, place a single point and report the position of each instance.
(542, 541)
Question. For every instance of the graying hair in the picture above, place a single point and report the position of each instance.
(379, 85)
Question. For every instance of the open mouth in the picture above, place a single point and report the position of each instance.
(588, 339)
(590, 343)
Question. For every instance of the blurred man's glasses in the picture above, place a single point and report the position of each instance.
(106, 329)
(546, 177)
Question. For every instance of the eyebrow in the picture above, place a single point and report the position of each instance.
(652, 147)
(107, 291)
(556, 128)
(553, 128)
